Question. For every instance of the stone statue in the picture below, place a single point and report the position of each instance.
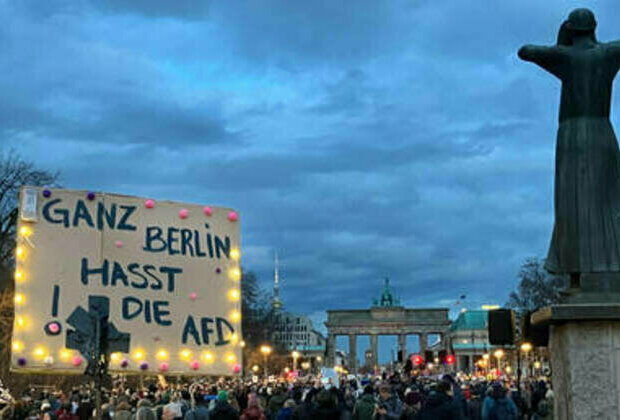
(586, 233)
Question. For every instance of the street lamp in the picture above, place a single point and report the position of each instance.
(295, 355)
(498, 355)
(255, 368)
(266, 351)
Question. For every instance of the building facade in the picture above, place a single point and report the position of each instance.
(296, 332)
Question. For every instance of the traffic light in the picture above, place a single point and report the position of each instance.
(450, 359)
(417, 360)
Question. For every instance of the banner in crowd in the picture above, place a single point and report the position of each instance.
(167, 274)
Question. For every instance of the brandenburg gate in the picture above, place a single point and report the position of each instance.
(385, 317)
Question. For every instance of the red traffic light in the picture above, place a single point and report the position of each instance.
(450, 359)
(417, 360)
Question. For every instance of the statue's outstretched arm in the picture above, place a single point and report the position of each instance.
(549, 58)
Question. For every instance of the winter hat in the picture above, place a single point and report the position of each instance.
(222, 395)
(412, 398)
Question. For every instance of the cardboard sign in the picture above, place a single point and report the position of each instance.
(167, 272)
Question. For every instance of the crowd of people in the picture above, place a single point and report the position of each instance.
(310, 398)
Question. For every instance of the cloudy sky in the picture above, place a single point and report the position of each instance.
(359, 139)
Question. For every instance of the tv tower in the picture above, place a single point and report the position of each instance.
(277, 302)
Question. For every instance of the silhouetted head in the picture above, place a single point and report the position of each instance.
(581, 21)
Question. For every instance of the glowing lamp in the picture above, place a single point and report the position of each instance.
(20, 252)
(25, 231)
(162, 355)
(235, 274)
(185, 354)
(207, 356)
(18, 346)
(234, 295)
(115, 357)
(526, 347)
(20, 322)
(235, 254)
(39, 352)
(230, 358)
(255, 368)
(20, 298)
(139, 355)
(65, 355)
(235, 316)
(19, 276)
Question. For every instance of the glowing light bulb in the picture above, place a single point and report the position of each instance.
(25, 231)
(139, 355)
(18, 346)
(235, 316)
(234, 338)
(20, 299)
(20, 322)
(39, 352)
(235, 274)
(65, 355)
(234, 295)
(235, 254)
(20, 252)
(115, 357)
(230, 358)
(19, 276)
(162, 355)
(185, 354)
(208, 356)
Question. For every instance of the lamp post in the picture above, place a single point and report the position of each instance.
(295, 354)
(526, 348)
(266, 351)
(498, 355)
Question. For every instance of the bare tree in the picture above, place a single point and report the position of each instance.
(537, 288)
(14, 173)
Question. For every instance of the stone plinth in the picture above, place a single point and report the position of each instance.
(584, 346)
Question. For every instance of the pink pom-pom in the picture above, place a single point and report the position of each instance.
(183, 213)
(237, 368)
(208, 211)
(149, 204)
(195, 365)
(54, 328)
(119, 244)
(192, 296)
(164, 367)
(233, 216)
(77, 360)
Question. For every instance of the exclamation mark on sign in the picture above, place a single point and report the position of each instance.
(54, 327)
(55, 301)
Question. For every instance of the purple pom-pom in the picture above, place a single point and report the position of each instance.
(144, 365)
(21, 361)
(124, 363)
(218, 270)
(91, 196)
(47, 193)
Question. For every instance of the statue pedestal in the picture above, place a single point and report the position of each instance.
(584, 346)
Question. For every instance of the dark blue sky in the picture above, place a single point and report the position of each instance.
(360, 139)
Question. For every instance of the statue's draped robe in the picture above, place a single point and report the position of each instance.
(586, 233)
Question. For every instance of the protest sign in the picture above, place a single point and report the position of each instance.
(167, 272)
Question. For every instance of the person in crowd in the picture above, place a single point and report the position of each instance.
(497, 406)
(388, 405)
(254, 410)
(411, 406)
(440, 405)
(364, 408)
(326, 407)
(222, 409)
(286, 412)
